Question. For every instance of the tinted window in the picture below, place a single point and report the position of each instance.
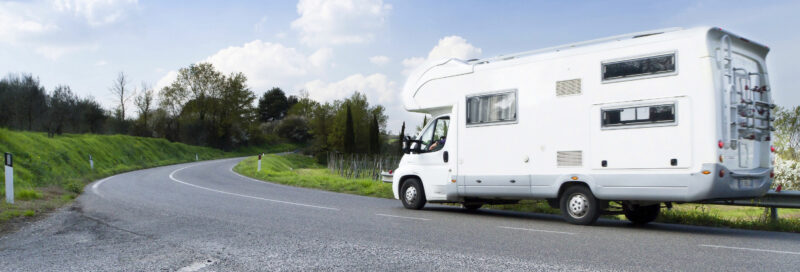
(639, 67)
(639, 115)
(492, 108)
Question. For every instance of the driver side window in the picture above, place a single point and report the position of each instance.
(433, 138)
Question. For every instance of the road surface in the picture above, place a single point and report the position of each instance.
(204, 217)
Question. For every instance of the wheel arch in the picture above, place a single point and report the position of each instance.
(406, 178)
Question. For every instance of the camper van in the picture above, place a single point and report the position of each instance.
(616, 125)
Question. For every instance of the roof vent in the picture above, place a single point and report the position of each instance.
(569, 158)
(568, 87)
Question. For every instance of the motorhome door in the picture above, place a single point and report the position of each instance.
(436, 158)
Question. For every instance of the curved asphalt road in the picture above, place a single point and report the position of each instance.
(203, 217)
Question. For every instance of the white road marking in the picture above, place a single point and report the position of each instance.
(97, 184)
(404, 217)
(537, 230)
(172, 177)
(752, 249)
(196, 266)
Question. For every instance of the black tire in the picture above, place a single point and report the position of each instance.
(472, 206)
(579, 206)
(640, 215)
(417, 195)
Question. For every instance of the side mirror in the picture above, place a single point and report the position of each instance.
(408, 142)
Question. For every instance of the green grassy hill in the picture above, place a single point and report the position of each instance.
(63, 161)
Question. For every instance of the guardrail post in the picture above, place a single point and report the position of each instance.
(259, 162)
(9, 178)
(773, 214)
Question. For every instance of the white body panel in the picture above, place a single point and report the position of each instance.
(662, 162)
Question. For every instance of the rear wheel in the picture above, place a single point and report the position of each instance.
(412, 194)
(579, 206)
(472, 206)
(640, 215)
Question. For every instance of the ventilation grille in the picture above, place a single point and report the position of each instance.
(569, 158)
(568, 87)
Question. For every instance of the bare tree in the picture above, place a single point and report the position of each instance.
(144, 102)
(122, 93)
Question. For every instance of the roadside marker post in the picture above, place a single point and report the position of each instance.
(91, 162)
(259, 162)
(9, 178)
(196, 158)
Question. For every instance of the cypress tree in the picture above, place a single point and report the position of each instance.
(402, 136)
(374, 137)
(349, 134)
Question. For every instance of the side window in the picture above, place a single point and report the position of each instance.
(661, 64)
(492, 108)
(434, 136)
(440, 134)
(656, 114)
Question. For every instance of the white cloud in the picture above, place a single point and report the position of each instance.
(265, 64)
(321, 58)
(166, 80)
(448, 47)
(377, 87)
(54, 52)
(379, 60)
(18, 21)
(335, 22)
(96, 12)
(48, 27)
(100, 63)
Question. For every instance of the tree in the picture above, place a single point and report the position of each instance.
(294, 128)
(120, 90)
(273, 105)
(349, 134)
(787, 132)
(62, 102)
(374, 137)
(23, 100)
(402, 136)
(424, 123)
(144, 103)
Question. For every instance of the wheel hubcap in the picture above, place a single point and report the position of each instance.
(411, 194)
(578, 206)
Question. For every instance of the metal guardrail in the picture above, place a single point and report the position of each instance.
(782, 199)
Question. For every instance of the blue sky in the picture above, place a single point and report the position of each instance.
(331, 48)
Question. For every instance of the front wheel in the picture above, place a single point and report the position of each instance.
(579, 206)
(412, 194)
(640, 215)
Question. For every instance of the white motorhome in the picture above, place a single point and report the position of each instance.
(638, 119)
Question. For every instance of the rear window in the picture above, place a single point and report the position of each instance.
(640, 115)
(653, 65)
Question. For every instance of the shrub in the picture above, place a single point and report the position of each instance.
(74, 186)
(27, 194)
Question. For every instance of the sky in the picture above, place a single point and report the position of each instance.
(333, 48)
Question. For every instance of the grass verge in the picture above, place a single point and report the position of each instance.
(50, 172)
(302, 171)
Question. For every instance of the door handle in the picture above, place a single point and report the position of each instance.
(513, 181)
(446, 156)
(478, 181)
